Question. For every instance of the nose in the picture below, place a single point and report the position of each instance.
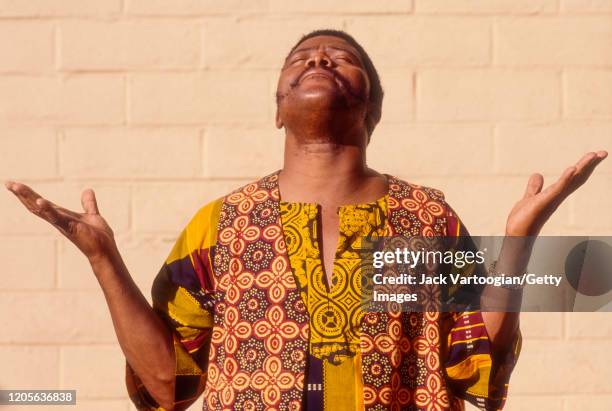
(319, 59)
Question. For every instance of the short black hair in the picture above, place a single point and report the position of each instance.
(376, 90)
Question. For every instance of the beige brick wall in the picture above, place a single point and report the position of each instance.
(162, 105)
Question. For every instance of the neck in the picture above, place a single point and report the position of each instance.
(323, 170)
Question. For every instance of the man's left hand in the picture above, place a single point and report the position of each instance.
(529, 214)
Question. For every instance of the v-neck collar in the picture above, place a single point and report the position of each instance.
(390, 179)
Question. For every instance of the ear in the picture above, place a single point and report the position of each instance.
(279, 122)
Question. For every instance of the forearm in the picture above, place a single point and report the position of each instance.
(144, 338)
(500, 306)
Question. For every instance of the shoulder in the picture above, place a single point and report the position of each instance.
(201, 231)
(428, 202)
(206, 216)
(407, 189)
(256, 188)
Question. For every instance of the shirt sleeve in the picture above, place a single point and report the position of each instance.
(472, 371)
(182, 295)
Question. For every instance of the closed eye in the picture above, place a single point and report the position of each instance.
(297, 60)
(345, 58)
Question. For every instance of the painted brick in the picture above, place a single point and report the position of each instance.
(446, 41)
(356, 6)
(189, 8)
(210, 97)
(584, 326)
(535, 325)
(21, 367)
(588, 402)
(29, 263)
(37, 145)
(573, 41)
(37, 317)
(562, 367)
(398, 102)
(256, 42)
(136, 153)
(405, 150)
(36, 57)
(497, 95)
(242, 153)
(588, 94)
(588, 203)
(106, 381)
(82, 99)
(586, 6)
(486, 6)
(526, 149)
(39, 8)
(88, 45)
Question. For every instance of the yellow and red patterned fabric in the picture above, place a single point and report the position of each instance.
(242, 290)
(335, 310)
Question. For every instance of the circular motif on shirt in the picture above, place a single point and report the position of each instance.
(257, 256)
(340, 279)
(329, 319)
(293, 239)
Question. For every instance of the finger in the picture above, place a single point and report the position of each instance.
(88, 200)
(584, 163)
(597, 158)
(51, 214)
(26, 195)
(587, 166)
(585, 160)
(562, 184)
(534, 185)
(29, 198)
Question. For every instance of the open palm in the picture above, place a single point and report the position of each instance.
(535, 208)
(88, 231)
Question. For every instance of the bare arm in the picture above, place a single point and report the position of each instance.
(525, 221)
(144, 338)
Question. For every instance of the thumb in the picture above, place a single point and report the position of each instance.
(534, 185)
(88, 201)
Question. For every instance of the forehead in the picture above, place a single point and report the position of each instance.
(326, 41)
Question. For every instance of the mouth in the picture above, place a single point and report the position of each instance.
(336, 78)
(318, 74)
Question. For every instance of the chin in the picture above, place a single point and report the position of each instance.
(321, 98)
(323, 109)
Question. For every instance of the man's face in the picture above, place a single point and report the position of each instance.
(325, 72)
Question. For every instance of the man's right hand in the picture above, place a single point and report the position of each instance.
(145, 339)
(88, 230)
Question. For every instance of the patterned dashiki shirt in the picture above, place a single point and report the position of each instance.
(334, 378)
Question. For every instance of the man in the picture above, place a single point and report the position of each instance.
(257, 304)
